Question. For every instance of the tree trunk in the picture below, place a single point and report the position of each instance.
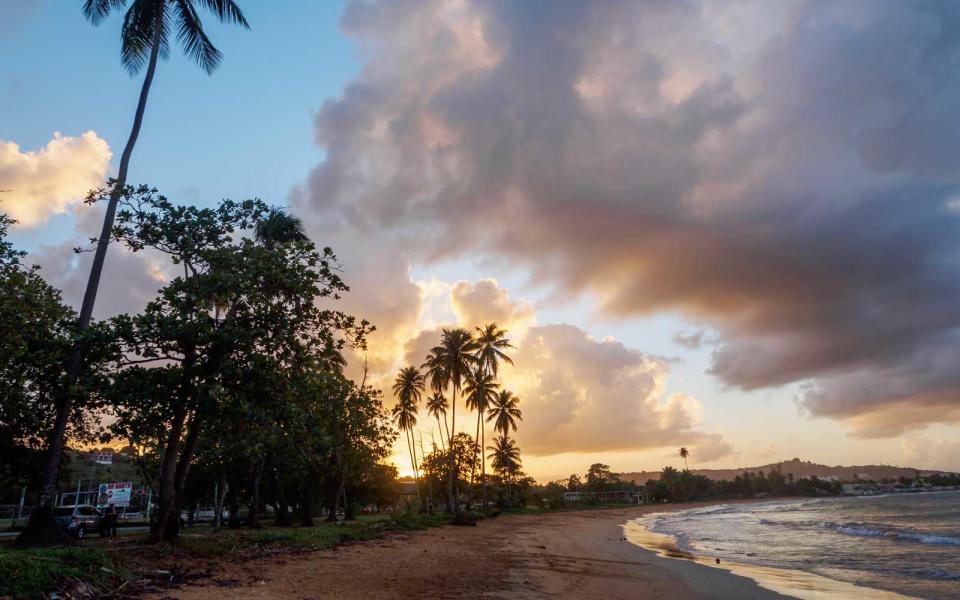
(252, 517)
(452, 504)
(347, 507)
(218, 503)
(41, 529)
(443, 447)
(413, 463)
(483, 459)
(168, 484)
(172, 527)
(282, 517)
(306, 507)
(473, 464)
(234, 521)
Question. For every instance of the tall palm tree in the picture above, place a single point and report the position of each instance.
(492, 343)
(279, 227)
(408, 387)
(504, 411)
(450, 363)
(145, 37)
(437, 406)
(480, 392)
(684, 453)
(505, 458)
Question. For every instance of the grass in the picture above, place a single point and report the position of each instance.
(33, 573)
(319, 537)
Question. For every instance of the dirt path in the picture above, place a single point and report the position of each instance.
(559, 555)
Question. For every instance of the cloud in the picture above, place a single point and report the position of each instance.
(50, 181)
(931, 454)
(783, 175)
(690, 341)
(579, 394)
(476, 304)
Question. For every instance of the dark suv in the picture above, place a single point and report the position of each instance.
(79, 520)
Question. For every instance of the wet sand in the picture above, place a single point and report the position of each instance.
(558, 555)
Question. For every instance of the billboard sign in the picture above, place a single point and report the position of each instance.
(102, 458)
(117, 494)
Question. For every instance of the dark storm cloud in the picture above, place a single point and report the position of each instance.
(783, 173)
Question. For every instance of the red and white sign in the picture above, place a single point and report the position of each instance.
(117, 494)
(102, 458)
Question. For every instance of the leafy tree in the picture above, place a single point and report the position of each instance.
(145, 37)
(599, 478)
(36, 339)
(436, 464)
(239, 316)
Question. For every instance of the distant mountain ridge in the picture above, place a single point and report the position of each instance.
(799, 469)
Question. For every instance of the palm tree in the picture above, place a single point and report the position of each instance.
(505, 458)
(479, 392)
(684, 453)
(145, 37)
(449, 363)
(408, 387)
(437, 406)
(505, 412)
(279, 227)
(491, 344)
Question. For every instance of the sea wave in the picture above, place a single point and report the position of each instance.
(860, 530)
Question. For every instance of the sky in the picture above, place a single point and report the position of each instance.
(730, 226)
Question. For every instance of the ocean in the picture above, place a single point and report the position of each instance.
(908, 544)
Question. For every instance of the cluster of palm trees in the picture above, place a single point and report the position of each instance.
(467, 364)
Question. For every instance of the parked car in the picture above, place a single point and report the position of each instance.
(79, 520)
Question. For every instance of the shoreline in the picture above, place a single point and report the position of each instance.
(573, 554)
(784, 582)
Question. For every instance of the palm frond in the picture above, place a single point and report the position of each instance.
(190, 34)
(97, 10)
(227, 11)
(139, 25)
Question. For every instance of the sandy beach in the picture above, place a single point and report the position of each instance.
(558, 555)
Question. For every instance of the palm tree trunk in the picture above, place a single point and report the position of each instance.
(473, 463)
(413, 462)
(443, 448)
(483, 459)
(41, 525)
(452, 503)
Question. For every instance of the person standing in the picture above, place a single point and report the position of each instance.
(110, 522)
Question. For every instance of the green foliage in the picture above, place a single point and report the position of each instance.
(684, 486)
(34, 573)
(36, 335)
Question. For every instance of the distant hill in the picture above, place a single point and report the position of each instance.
(799, 468)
